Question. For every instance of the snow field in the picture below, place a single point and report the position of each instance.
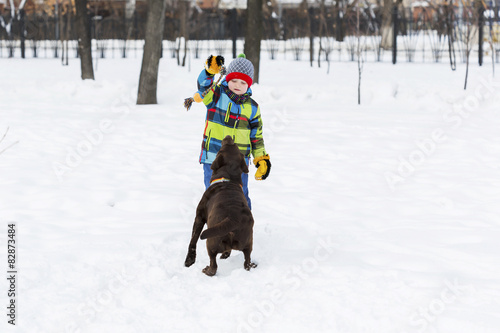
(375, 218)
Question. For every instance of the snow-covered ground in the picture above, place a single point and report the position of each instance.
(382, 217)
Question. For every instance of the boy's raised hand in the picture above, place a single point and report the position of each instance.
(214, 65)
(263, 165)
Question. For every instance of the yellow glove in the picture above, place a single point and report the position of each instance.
(263, 165)
(213, 65)
(197, 98)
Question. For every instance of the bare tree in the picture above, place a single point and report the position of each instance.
(386, 28)
(148, 81)
(272, 27)
(253, 35)
(3, 137)
(84, 40)
(359, 50)
(8, 26)
(66, 33)
(471, 27)
(449, 22)
(309, 27)
(490, 40)
(183, 8)
(326, 39)
(321, 25)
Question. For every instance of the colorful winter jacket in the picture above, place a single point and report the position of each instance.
(227, 115)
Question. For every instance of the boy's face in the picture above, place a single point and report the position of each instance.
(239, 87)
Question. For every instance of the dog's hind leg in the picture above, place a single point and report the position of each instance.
(248, 264)
(227, 247)
(197, 228)
(212, 269)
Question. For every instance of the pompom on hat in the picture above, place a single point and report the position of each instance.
(240, 68)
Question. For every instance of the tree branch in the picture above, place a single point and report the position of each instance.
(3, 137)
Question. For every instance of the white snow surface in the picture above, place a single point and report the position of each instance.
(382, 217)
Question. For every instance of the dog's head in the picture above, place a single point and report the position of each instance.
(229, 162)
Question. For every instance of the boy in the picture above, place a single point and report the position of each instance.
(231, 111)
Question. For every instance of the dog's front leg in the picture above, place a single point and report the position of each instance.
(197, 228)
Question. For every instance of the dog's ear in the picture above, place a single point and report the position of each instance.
(218, 162)
(244, 166)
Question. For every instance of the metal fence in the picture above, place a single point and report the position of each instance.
(423, 34)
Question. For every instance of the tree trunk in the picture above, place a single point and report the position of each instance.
(322, 22)
(395, 25)
(67, 31)
(22, 17)
(184, 31)
(339, 22)
(310, 20)
(253, 35)
(471, 21)
(129, 9)
(148, 80)
(359, 53)
(466, 69)
(480, 28)
(386, 29)
(84, 41)
(234, 29)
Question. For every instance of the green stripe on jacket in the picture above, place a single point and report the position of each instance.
(224, 117)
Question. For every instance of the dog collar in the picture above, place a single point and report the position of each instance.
(221, 180)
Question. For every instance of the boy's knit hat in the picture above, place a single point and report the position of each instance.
(240, 68)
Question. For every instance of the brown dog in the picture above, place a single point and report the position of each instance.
(224, 209)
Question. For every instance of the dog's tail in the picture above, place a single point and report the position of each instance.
(226, 226)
